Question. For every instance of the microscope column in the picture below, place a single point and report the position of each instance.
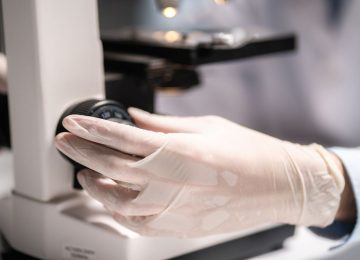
(55, 58)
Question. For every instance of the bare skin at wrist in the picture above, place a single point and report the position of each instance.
(347, 208)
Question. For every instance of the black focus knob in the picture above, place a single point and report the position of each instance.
(104, 109)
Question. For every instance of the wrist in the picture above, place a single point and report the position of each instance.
(316, 184)
(347, 207)
(323, 184)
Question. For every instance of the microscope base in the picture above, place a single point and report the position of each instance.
(77, 227)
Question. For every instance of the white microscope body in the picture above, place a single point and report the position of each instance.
(55, 59)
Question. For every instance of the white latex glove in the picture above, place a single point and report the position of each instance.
(190, 177)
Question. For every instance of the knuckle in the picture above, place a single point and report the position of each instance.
(113, 165)
(124, 141)
(151, 140)
(103, 132)
(101, 129)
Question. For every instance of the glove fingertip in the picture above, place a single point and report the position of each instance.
(137, 112)
(81, 177)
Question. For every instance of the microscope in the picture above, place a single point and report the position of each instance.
(58, 58)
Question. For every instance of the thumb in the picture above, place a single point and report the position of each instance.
(165, 124)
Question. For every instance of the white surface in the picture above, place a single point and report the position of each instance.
(6, 175)
(45, 230)
(55, 58)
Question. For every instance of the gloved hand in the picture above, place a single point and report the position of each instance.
(197, 176)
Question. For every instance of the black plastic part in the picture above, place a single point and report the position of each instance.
(5, 140)
(140, 66)
(89, 108)
(130, 91)
(201, 54)
(338, 229)
(155, 71)
(242, 248)
(245, 247)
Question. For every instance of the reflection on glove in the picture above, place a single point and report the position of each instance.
(197, 176)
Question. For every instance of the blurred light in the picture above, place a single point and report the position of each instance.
(170, 91)
(172, 36)
(169, 12)
(220, 2)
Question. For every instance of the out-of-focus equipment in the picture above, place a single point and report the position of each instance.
(56, 60)
(145, 60)
(168, 8)
(221, 2)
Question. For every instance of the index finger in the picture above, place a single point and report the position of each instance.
(124, 138)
